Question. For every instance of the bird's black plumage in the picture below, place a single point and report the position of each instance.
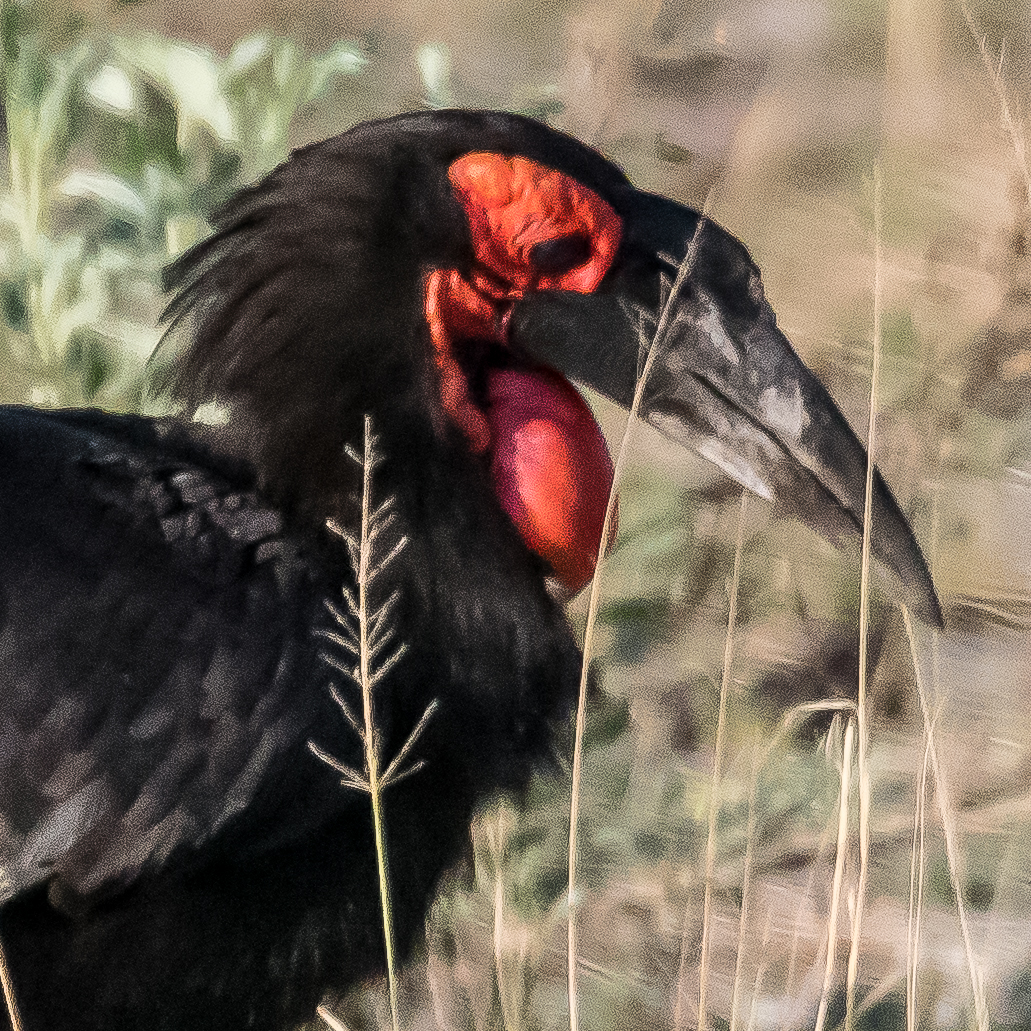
(183, 859)
(172, 852)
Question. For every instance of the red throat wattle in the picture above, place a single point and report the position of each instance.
(548, 458)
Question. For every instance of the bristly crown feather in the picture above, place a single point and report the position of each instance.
(303, 312)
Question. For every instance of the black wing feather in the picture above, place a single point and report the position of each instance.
(148, 604)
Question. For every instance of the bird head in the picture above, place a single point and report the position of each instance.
(450, 273)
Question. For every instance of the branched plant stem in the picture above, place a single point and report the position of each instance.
(365, 633)
(372, 748)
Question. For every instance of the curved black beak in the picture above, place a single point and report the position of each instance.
(724, 380)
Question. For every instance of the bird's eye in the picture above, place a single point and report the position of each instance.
(560, 254)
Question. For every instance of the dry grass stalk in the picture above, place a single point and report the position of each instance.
(916, 895)
(657, 343)
(1013, 128)
(862, 721)
(330, 1019)
(746, 886)
(10, 998)
(788, 724)
(717, 767)
(797, 927)
(839, 871)
(760, 973)
(948, 819)
(511, 989)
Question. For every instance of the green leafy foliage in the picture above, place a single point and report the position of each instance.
(118, 148)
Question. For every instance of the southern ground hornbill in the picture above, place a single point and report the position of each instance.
(173, 853)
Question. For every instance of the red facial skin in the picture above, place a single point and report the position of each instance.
(551, 468)
(549, 461)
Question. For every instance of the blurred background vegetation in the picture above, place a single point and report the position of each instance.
(125, 124)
